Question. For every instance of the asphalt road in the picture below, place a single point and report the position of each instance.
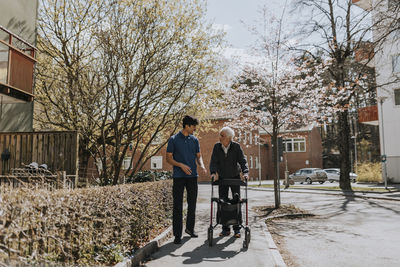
(347, 231)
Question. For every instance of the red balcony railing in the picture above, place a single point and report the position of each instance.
(368, 115)
(17, 61)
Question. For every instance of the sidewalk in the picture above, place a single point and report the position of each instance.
(226, 251)
(298, 188)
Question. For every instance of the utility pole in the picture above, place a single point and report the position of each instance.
(383, 155)
(259, 158)
(355, 143)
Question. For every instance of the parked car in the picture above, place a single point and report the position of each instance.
(309, 175)
(334, 175)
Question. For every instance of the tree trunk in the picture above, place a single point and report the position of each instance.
(275, 161)
(344, 148)
(84, 156)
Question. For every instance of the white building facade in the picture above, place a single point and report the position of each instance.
(387, 67)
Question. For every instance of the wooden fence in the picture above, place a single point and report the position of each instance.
(58, 150)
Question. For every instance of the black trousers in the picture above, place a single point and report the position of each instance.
(178, 188)
(223, 192)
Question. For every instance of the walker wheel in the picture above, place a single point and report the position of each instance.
(210, 236)
(247, 235)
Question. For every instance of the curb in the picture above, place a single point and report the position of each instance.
(276, 255)
(148, 249)
(327, 192)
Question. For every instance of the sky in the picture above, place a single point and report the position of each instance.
(235, 17)
(230, 15)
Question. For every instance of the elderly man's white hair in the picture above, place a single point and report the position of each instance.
(229, 131)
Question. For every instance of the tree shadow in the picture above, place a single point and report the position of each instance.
(377, 205)
(265, 212)
(349, 197)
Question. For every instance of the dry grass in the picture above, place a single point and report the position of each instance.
(82, 226)
(369, 172)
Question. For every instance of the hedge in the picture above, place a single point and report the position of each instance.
(82, 226)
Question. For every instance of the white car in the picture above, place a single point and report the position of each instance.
(334, 175)
(308, 175)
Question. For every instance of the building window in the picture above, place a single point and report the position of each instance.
(396, 63)
(256, 139)
(126, 163)
(257, 163)
(250, 138)
(239, 137)
(156, 162)
(393, 4)
(295, 145)
(251, 162)
(99, 164)
(156, 140)
(397, 97)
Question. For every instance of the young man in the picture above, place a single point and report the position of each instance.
(183, 151)
(226, 158)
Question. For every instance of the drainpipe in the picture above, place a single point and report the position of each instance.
(1, 107)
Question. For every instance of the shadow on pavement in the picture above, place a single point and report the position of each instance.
(214, 253)
(167, 249)
(349, 196)
(377, 205)
(201, 253)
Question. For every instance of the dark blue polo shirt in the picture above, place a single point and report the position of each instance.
(184, 150)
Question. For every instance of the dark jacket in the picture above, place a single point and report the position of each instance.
(229, 165)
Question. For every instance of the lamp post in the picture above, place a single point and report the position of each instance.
(381, 99)
(355, 151)
(259, 159)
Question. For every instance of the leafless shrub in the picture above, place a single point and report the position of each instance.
(81, 226)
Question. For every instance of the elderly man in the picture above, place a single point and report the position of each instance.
(227, 160)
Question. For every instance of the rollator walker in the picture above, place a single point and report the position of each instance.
(229, 212)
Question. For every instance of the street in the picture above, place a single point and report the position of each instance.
(347, 231)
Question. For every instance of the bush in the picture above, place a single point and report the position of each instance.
(149, 176)
(82, 226)
(370, 172)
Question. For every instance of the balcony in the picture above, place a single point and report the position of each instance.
(364, 54)
(368, 115)
(364, 4)
(17, 62)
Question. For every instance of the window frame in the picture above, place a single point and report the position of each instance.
(396, 63)
(126, 162)
(293, 142)
(396, 93)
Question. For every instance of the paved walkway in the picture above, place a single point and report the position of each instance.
(227, 251)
